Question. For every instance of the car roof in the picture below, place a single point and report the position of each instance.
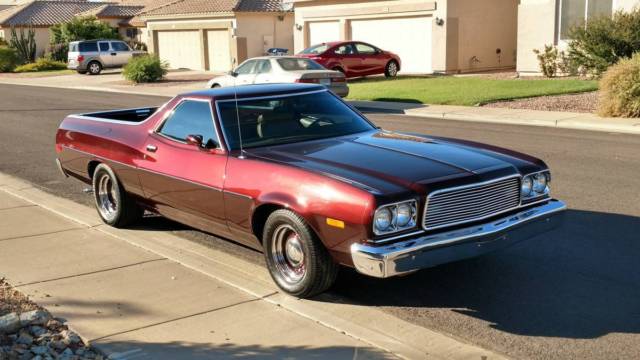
(96, 40)
(248, 91)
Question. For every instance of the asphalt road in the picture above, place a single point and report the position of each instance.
(574, 293)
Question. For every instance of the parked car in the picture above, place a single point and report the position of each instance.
(294, 171)
(282, 69)
(354, 58)
(95, 55)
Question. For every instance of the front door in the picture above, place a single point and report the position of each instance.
(122, 53)
(263, 72)
(246, 73)
(370, 59)
(183, 181)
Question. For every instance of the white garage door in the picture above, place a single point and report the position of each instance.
(219, 50)
(408, 37)
(181, 49)
(321, 32)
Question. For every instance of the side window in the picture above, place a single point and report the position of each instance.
(346, 49)
(104, 46)
(246, 68)
(264, 67)
(365, 49)
(191, 118)
(88, 47)
(120, 46)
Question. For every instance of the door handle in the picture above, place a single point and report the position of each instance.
(114, 54)
(152, 148)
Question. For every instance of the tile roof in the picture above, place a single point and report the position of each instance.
(191, 7)
(45, 13)
(114, 11)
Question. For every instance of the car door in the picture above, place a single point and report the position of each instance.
(106, 54)
(349, 59)
(369, 59)
(246, 73)
(264, 72)
(182, 181)
(122, 53)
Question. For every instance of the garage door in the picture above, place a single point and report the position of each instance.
(219, 50)
(181, 49)
(321, 32)
(409, 37)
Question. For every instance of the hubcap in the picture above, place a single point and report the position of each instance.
(94, 68)
(106, 197)
(393, 69)
(287, 254)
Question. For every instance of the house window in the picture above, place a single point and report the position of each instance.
(132, 33)
(576, 12)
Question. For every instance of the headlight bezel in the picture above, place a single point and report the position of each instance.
(535, 194)
(393, 228)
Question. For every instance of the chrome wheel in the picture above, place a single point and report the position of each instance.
(94, 68)
(288, 254)
(107, 197)
(392, 69)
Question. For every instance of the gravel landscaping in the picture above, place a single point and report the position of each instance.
(29, 332)
(581, 103)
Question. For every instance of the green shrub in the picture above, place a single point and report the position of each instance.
(58, 52)
(3, 42)
(604, 40)
(554, 62)
(620, 89)
(144, 69)
(8, 59)
(42, 64)
(24, 44)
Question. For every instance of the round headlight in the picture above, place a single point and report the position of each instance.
(404, 215)
(540, 183)
(383, 219)
(527, 186)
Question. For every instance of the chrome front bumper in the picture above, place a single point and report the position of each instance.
(431, 250)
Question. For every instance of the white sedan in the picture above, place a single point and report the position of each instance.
(282, 69)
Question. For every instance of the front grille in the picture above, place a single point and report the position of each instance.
(471, 203)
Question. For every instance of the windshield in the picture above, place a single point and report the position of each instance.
(293, 64)
(283, 120)
(316, 49)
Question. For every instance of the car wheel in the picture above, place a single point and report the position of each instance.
(297, 260)
(215, 86)
(391, 70)
(114, 205)
(82, 72)
(94, 68)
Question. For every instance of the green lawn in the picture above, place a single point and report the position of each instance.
(449, 90)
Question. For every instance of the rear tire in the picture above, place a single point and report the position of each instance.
(392, 68)
(114, 205)
(94, 68)
(297, 260)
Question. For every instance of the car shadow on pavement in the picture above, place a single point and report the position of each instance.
(220, 345)
(580, 281)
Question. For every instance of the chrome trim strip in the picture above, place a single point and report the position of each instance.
(462, 187)
(413, 254)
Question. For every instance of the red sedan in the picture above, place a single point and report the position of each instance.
(354, 58)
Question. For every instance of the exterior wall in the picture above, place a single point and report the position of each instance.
(482, 34)
(255, 26)
(344, 11)
(537, 27)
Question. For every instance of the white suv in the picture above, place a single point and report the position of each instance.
(93, 56)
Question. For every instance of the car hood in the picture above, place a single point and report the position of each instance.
(389, 162)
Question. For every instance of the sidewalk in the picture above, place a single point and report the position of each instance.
(137, 294)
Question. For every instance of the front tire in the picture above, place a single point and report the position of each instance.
(94, 68)
(297, 260)
(392, 68)
(114, 205)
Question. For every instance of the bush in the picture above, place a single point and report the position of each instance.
(42, 64)
(24, 44)
(58, 52)
(554, 62)
(620, 89)
(144, 69)
(8, 59)
(604, 41)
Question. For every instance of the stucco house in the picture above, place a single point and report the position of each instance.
(42, 14)
(215, 35)
(546, 22)
(443, 36)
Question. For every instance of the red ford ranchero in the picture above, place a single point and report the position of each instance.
(295, 172)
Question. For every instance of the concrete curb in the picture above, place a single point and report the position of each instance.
(366, 324)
